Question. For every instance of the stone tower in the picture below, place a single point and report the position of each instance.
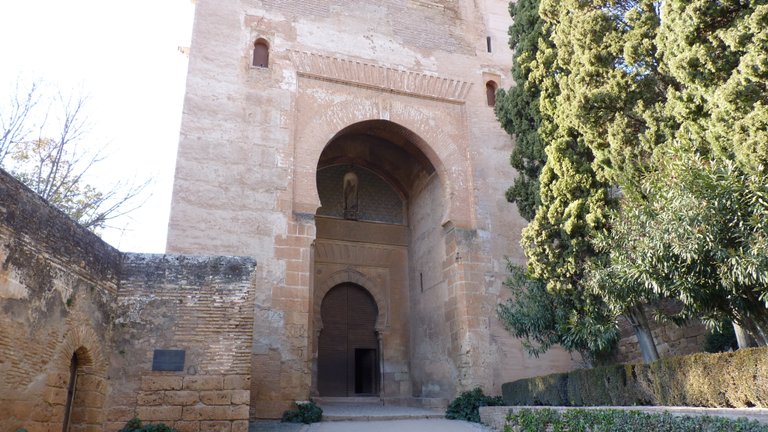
(352, 149)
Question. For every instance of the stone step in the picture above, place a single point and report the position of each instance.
(327, 400)
(346, 411)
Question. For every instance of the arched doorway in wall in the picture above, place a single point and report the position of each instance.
(348, 348)
(74, 409)
(381, 214)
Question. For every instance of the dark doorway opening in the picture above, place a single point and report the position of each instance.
(347, 360)
(365, 371)
(73, 364)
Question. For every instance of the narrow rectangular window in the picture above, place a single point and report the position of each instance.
(488, 43)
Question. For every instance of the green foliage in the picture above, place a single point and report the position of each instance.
(572, 202)
(692, 223)
(135, 425)
(607, 420)
(701, 236)
(543, 318)
(518, 108)
(305, 412)
(654, 120)
(708, 380)
(466, 405)
(721, 339)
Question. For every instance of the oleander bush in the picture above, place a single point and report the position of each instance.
(738, 379)
(135, 425)
(467, 405)
(305, 412)
(607, 420)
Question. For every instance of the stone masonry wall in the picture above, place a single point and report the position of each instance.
(57, 287)
(250, 146)
(671, 339)
(202, 305)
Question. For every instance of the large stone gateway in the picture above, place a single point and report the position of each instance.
(353, 144)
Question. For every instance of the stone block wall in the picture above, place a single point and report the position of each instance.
(202, 305)
(58, 283)
(671, 339)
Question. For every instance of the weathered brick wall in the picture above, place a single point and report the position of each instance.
(57, 287)
(202, 305)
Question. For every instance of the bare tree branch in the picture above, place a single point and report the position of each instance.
(15, 118)
(55, 164)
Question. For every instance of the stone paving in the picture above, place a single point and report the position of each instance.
(368, 411)
(353, 417)
(416, 425)
(441, 425)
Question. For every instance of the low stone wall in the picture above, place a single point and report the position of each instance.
(193, 403)
(202, 306)
(495, 417)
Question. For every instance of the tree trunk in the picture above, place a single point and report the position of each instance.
(754, 331)
(742, 336)
(636, 317)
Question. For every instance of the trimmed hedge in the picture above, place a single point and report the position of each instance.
(581, 420)
(738, 379)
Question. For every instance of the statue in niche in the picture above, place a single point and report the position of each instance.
(350, 196)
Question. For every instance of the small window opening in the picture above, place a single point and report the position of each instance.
(490, 93)
(488, 44)
(261, 53)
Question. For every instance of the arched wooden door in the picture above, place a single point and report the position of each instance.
(348, 351)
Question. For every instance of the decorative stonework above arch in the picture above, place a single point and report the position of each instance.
(351, 275)
(353, 253)
(364, 74)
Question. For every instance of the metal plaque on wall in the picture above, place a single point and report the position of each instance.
(168, 360)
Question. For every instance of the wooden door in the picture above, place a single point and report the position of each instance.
(347, 363)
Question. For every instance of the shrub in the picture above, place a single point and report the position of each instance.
(134, 425)
(709, 380)
(305, 412)
(466, 406)
(722, 340)
(573, 420)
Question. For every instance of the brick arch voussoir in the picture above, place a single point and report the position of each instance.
(86, 344)
(84, 341)
(358, 278)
